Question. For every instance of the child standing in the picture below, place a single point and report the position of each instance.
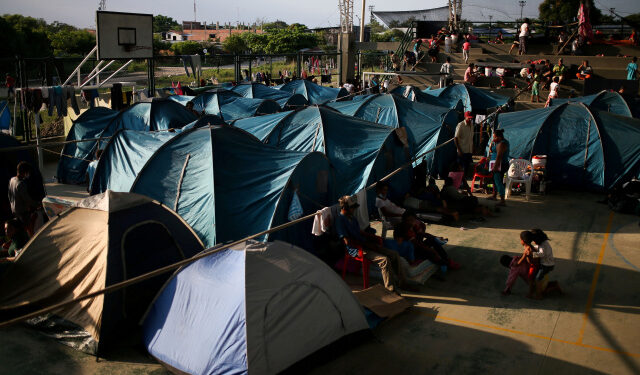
(466, 46)
(553, 91)
(535, 87)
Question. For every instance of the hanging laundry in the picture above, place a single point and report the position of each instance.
(69, 92)
(322, 221)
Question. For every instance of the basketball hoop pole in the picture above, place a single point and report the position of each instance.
(151, 77)
(94, 50)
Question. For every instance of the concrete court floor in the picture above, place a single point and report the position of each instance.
(464, 325)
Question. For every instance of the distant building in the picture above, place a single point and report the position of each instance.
(204, 34)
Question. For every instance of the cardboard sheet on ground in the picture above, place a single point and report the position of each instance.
(382, 302)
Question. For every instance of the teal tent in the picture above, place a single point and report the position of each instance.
(128, 151)
(427, 126)
(473, 99)
(361, 152)
(608, 101)
(315, 94)
(416, 95)
(158, 114)
(232, 106)
(285, 99)
(585, 149)
(226, 184)
(75, 156)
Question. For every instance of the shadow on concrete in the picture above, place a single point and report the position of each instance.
(405, 345)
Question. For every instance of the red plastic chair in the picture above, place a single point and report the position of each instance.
(359, 258)
(483, 162)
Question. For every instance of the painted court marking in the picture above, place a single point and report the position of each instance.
(585, 316)
(594, 282)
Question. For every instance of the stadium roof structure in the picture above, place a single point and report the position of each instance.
(435, 14)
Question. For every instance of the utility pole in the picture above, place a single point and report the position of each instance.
(362, 21)
(371, 7)
(522, 4)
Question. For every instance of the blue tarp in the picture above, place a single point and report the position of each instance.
(362, 152)
(73, 170)
(315, 94)
(224, 172)
(424, 124)
(285, 99)
(233, 107)
(583, 150)
(473, 99)
(608, 101)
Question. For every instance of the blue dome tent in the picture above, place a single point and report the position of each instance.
(159, 114)
(585, 149)
(233, 107)
(473, 99)
(227, 185)
(416, 95)
(285, 99)
(73, 170)
(129, 150)
(315, 94)
(256, 308)
(361, 152)
(424, 124)
(608, 101)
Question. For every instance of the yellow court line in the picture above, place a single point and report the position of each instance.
(496, 328)
(594, 282)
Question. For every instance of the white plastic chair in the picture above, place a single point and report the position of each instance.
(517, 174)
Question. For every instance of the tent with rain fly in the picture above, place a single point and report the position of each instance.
(608, 101)
(585, 149)
(285, 99)
(75, 156)
(129, 150)
(256, 308)
(105, 239)
(427, 126)
(315, 94)
(158, 114)
(416, 95)
(361, 152)
(233, 106)
(473, 99)
(226, 184)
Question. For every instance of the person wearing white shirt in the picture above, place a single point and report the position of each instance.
(524, 33)
(537, 245)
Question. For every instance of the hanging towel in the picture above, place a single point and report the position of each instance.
(322, 221)
(362, 212)
(295, 209)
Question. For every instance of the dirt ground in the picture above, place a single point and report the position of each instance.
(463, 325)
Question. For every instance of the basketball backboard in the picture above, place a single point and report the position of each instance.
(124, 35)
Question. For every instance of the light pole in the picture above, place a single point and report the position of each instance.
(522, 3)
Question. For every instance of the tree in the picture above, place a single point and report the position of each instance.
(387, 36)
(72, 42)
(24, 36)
(234, 44)
(291, 39)
(566, 11)
(255, 42)
(159, 44)
(188, 47)
(163, 24)
(277, 25)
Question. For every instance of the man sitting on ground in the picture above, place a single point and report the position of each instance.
(585, 71)
(426, 245)
(348, 230)
(464, 203)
